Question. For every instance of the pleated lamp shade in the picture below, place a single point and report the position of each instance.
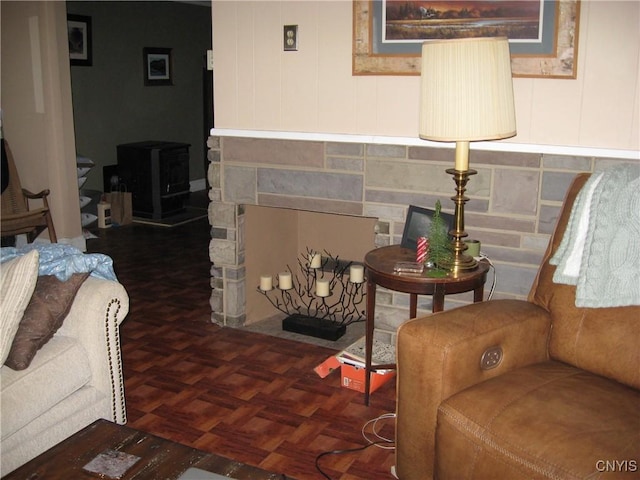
(466, 90)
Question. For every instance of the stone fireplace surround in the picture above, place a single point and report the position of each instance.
(514, 202)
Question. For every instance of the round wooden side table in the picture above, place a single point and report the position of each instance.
(379, 264)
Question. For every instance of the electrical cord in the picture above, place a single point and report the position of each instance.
(383, 442)
(374, 422)
(495, 274)
(339, 452)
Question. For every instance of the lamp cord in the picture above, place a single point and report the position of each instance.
(383, 442)
(495, 275)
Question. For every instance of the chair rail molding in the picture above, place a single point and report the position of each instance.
(417, 142)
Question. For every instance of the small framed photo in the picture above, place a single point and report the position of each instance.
(418, 224)
(79, 34)
(158, 67)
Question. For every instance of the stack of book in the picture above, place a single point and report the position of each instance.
(354, 354)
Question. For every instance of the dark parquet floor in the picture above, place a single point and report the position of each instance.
(247, 396)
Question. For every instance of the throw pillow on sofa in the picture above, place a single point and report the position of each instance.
(18, 281)
(47, 309)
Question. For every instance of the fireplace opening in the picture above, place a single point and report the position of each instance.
(274, 239)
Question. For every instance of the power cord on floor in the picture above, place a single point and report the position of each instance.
(383, 442)
(339, 452)
(379, 438)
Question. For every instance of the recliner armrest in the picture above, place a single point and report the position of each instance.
(98, 309)
(439, 355)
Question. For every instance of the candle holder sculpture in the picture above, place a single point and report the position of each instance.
(322, 298)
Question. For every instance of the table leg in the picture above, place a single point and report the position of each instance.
(413, 305)
(437, 298)
(478, 294)
(371, 313)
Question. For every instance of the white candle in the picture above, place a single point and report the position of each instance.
(462, 156)
(266, 283)
(284, 280)
(315, 260)
(322, 288)
(356, 273)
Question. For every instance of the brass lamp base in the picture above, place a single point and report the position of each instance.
(461, 262)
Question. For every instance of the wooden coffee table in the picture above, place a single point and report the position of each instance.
(160, 459)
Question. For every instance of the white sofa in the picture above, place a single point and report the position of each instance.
(73, 380)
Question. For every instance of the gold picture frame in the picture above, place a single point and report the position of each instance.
(561, 63)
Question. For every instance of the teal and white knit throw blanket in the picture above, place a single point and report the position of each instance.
(600, 250)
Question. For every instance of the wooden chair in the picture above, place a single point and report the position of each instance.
(16, 217)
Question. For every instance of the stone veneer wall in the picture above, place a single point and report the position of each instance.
(514, 202)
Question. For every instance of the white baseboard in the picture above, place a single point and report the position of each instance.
(78, 242)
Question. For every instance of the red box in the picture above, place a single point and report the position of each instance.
(328, 366)
(353, 378)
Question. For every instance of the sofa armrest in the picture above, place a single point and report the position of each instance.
(439, 355)
(98, 309)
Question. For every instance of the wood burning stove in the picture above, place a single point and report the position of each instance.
(157, 175)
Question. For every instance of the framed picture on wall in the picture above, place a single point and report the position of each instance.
(79, 33)
(543, 34)
(158, 67)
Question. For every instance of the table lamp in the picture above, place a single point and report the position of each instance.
(466, 96)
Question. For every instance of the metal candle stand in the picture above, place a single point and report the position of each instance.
(461, 262)
(307, 313)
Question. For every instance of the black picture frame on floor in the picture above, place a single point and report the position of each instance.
(418, 223)
(80, 40)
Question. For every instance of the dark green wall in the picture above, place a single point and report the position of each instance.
(112, 105)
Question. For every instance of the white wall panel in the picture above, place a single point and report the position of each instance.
(312, 90)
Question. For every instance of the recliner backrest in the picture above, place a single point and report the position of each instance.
(604, 341)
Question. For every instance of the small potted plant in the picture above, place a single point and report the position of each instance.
(440, 253)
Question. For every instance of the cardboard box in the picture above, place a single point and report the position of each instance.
(350, 361)
(328, 366)
(353, 378)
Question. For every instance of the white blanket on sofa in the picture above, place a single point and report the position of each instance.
(600, 251)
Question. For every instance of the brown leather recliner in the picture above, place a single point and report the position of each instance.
(562, 402)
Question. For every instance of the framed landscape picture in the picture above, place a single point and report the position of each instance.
(543, 34)
(158, 67)
(79, 34)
